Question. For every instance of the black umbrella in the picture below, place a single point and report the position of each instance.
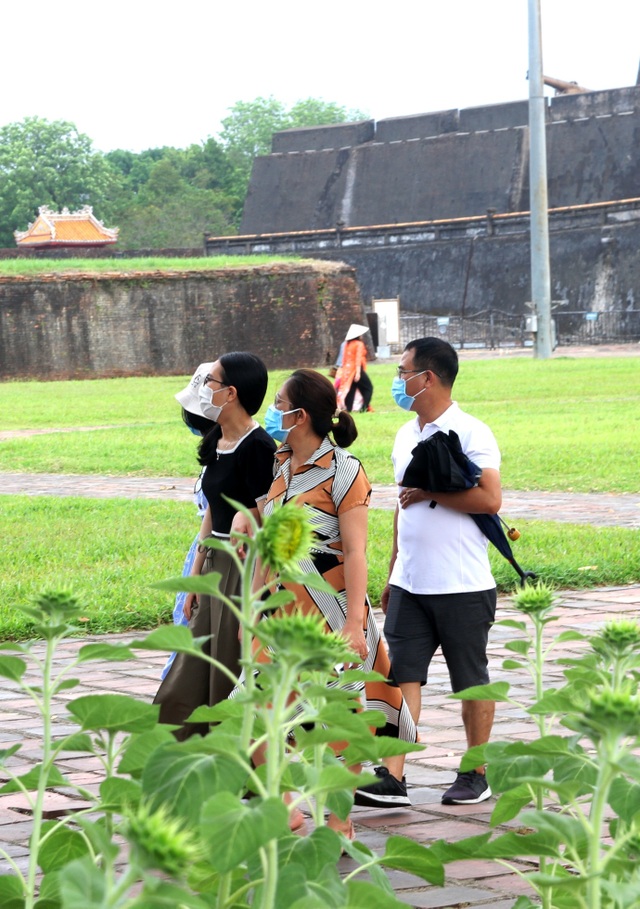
(440, 465)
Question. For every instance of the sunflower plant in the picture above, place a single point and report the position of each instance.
(196, 823)
(584, 785)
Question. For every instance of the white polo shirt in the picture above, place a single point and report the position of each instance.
(441, 550)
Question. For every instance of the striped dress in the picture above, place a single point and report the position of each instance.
(330, 483)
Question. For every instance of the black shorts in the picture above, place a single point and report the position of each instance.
(417, 624)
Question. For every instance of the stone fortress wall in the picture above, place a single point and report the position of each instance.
(90, 325)
(433, 208)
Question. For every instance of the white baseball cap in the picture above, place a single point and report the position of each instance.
(189, 397)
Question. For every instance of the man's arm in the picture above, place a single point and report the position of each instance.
(485, 498)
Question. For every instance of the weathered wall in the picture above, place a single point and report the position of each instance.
(471, 265)
(98, 252)
(105, 325)
(446, 164)
(468, 275)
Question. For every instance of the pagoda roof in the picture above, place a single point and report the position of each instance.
(66, 228)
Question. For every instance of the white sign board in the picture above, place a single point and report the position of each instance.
(388, 312)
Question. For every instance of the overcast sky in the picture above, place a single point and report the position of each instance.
(134, 74)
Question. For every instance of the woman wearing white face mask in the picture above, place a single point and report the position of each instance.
(199, 425)
(238, 455)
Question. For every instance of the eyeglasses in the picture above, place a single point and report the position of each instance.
(208, 379)
(406, 372)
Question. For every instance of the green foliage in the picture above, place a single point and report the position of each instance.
(170, 197)
(176, 805)
(247, 130)
(160, 197)
(584, 786)
(48, 163)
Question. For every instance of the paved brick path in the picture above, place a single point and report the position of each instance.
(473, 883)
(602, 509)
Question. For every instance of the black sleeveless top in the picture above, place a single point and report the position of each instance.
(244, 474)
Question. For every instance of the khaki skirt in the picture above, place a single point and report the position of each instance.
(192, 682)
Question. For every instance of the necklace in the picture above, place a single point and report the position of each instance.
(225, 445)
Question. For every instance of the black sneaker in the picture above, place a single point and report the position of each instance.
(388, 792)
(468, 789)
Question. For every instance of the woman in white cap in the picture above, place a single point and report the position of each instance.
(238, 456)
(199, 425)
(353, 375)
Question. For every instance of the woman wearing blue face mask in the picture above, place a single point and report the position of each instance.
(238, 456)
(332, 485)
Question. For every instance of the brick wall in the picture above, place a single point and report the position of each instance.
(91, 325)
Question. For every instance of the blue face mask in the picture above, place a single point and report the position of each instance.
(273, 422)
(399, 392)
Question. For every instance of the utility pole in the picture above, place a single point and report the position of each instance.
(539, 220)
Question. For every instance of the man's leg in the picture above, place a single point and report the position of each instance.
(477, 717)
(402, 625)
(464, 629)
(412, 693)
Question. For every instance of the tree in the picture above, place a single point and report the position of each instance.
(135, 167)
(316, 112)
(170, 211)
(247, 131)
(48, 163)
(179, 221)
(169, 197)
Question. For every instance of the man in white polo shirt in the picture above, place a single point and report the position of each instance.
(441, 592)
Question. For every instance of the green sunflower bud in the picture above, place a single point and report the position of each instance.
(285, 538)
(160, 841)
(53, 612)
(535, 598)
(608, 713)
(301, 641)
(617, 639)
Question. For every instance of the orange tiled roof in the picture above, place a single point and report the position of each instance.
(65, 228)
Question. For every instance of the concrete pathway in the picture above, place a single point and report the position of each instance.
(473, 883)
(601, 509)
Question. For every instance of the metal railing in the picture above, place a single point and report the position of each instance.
(618, 326)
(494, 328)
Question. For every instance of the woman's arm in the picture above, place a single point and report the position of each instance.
(353, 532)
(362, 359)
(198, 562)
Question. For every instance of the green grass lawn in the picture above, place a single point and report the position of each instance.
(107, 551)
(124, 266)
(111, 551)
(565, 424)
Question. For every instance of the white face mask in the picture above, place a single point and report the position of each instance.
(210, 410)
